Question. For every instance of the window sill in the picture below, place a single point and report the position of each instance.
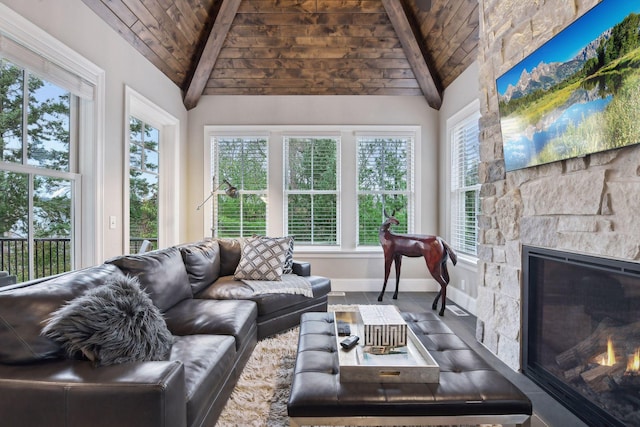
(302, 252)
(468, 262)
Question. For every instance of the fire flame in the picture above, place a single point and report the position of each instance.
(610, 358)
(633, 365)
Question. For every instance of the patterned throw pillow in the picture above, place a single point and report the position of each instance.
(288, 260)
(262, 258)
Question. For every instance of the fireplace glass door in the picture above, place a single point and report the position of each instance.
(581, 333)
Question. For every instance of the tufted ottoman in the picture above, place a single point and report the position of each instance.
(469, 391)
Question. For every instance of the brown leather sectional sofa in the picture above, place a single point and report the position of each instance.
(215, 320)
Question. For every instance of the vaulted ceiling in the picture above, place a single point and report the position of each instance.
(301, 47)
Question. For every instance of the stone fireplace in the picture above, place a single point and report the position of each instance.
(586, 205)
(581, 333)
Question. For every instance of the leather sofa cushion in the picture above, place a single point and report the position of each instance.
(230, 253)
(24, 310)
(161, 273)
(226, 287)
(236, 318)
(202, 261)
(207, 361)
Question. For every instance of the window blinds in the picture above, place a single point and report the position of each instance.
(45, 68)
(243, 162)
(465, 187)
(385, 182)
(311, 189)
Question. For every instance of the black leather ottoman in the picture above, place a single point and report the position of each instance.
(469, 391)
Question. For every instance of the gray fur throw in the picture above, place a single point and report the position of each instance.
(113, 323)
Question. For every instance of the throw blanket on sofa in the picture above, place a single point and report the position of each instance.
(290, 284)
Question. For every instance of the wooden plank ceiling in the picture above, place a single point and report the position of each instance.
(301, 47)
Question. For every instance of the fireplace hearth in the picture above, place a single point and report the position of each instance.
(581, 333)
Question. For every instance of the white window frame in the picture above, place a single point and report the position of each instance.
(410, 192)
(37, 50)
(213, 160)
(347, 156)
(142, 108)
(337, 191)
(466, 115)
(211, 132)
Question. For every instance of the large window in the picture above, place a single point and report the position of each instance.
(152, 181)
(311, 189)
(328, 186)
(51, 103)
(385, 184)
(465, 188)
(241, 162)
(144, 163)
(38, 179)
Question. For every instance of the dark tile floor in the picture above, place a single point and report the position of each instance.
(547, 411)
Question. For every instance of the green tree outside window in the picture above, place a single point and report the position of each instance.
(311, 189)
(36, 209)
(143, 183)
(384, 185)
(243, 162)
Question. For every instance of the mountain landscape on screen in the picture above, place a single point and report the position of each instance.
(577, 94)
(544, 76)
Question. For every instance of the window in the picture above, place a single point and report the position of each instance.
(465, 188)
(38, 178)
(385, 184)
(241, 162)
(320, 184)
(311, 189)
(42, 158)
(144, 146)
(152, 183)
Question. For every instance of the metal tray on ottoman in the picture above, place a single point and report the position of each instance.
(414, 366)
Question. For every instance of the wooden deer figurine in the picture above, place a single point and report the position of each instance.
(433, 248)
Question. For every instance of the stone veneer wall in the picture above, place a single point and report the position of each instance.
(586, 205)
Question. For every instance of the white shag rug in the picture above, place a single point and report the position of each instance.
(260, 397)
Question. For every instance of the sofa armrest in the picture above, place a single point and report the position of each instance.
(73, 393)
(7, 279)
(301, 268)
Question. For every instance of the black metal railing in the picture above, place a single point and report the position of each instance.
(51, 256)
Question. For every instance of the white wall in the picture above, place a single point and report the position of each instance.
(463, 287)
(348, 270)
(77, 26)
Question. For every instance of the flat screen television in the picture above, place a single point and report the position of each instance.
(577, 94)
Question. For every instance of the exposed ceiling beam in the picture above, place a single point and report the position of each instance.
(429, 83)
(210, 53)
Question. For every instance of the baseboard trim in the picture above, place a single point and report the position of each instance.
(406, 285)
(461, 299)
(369, 285)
